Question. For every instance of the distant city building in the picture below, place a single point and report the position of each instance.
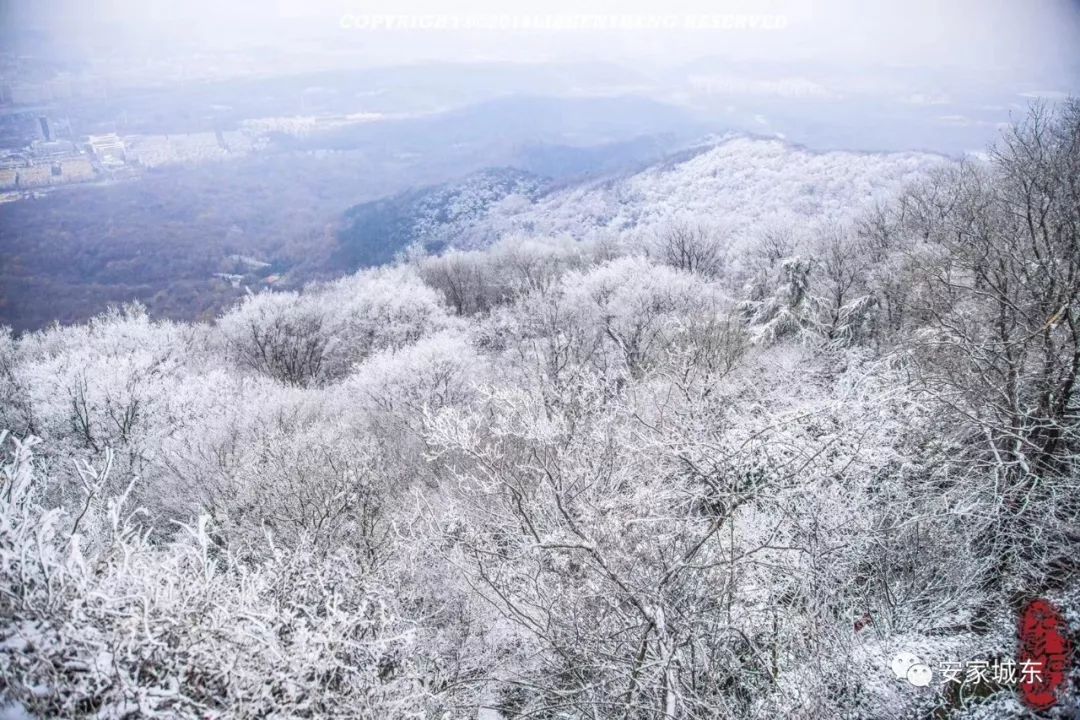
(46, 131)
(68, 169)
(185, 148)
(36, 176)
(77, 169)
(108, 149)
(53, 149)
(232, 278)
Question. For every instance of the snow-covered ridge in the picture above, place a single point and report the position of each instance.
(737, 183)
(734, 183)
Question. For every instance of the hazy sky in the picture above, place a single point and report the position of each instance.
(1029, 36)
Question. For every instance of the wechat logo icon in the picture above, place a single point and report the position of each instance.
(907, 666)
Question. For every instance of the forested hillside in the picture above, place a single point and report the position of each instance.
(374, 233)
(717, 441)
(736, 184)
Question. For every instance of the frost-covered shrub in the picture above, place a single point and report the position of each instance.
(476, 281)
(97, 384)
(104, 385)
(382, 309)
(317, 337)
(281, 336)
(439, 371)
(691, 247)
(635, 306)
(16, 411)
(187, 629)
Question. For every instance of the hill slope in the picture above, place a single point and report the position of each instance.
(735, 183)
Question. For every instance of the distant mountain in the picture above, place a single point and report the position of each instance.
(569, 163)
(499, 128)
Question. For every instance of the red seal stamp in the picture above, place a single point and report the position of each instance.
(1043, 656)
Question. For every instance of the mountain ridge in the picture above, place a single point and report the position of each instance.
(734, 180)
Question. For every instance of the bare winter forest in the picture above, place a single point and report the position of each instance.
(684, 468)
